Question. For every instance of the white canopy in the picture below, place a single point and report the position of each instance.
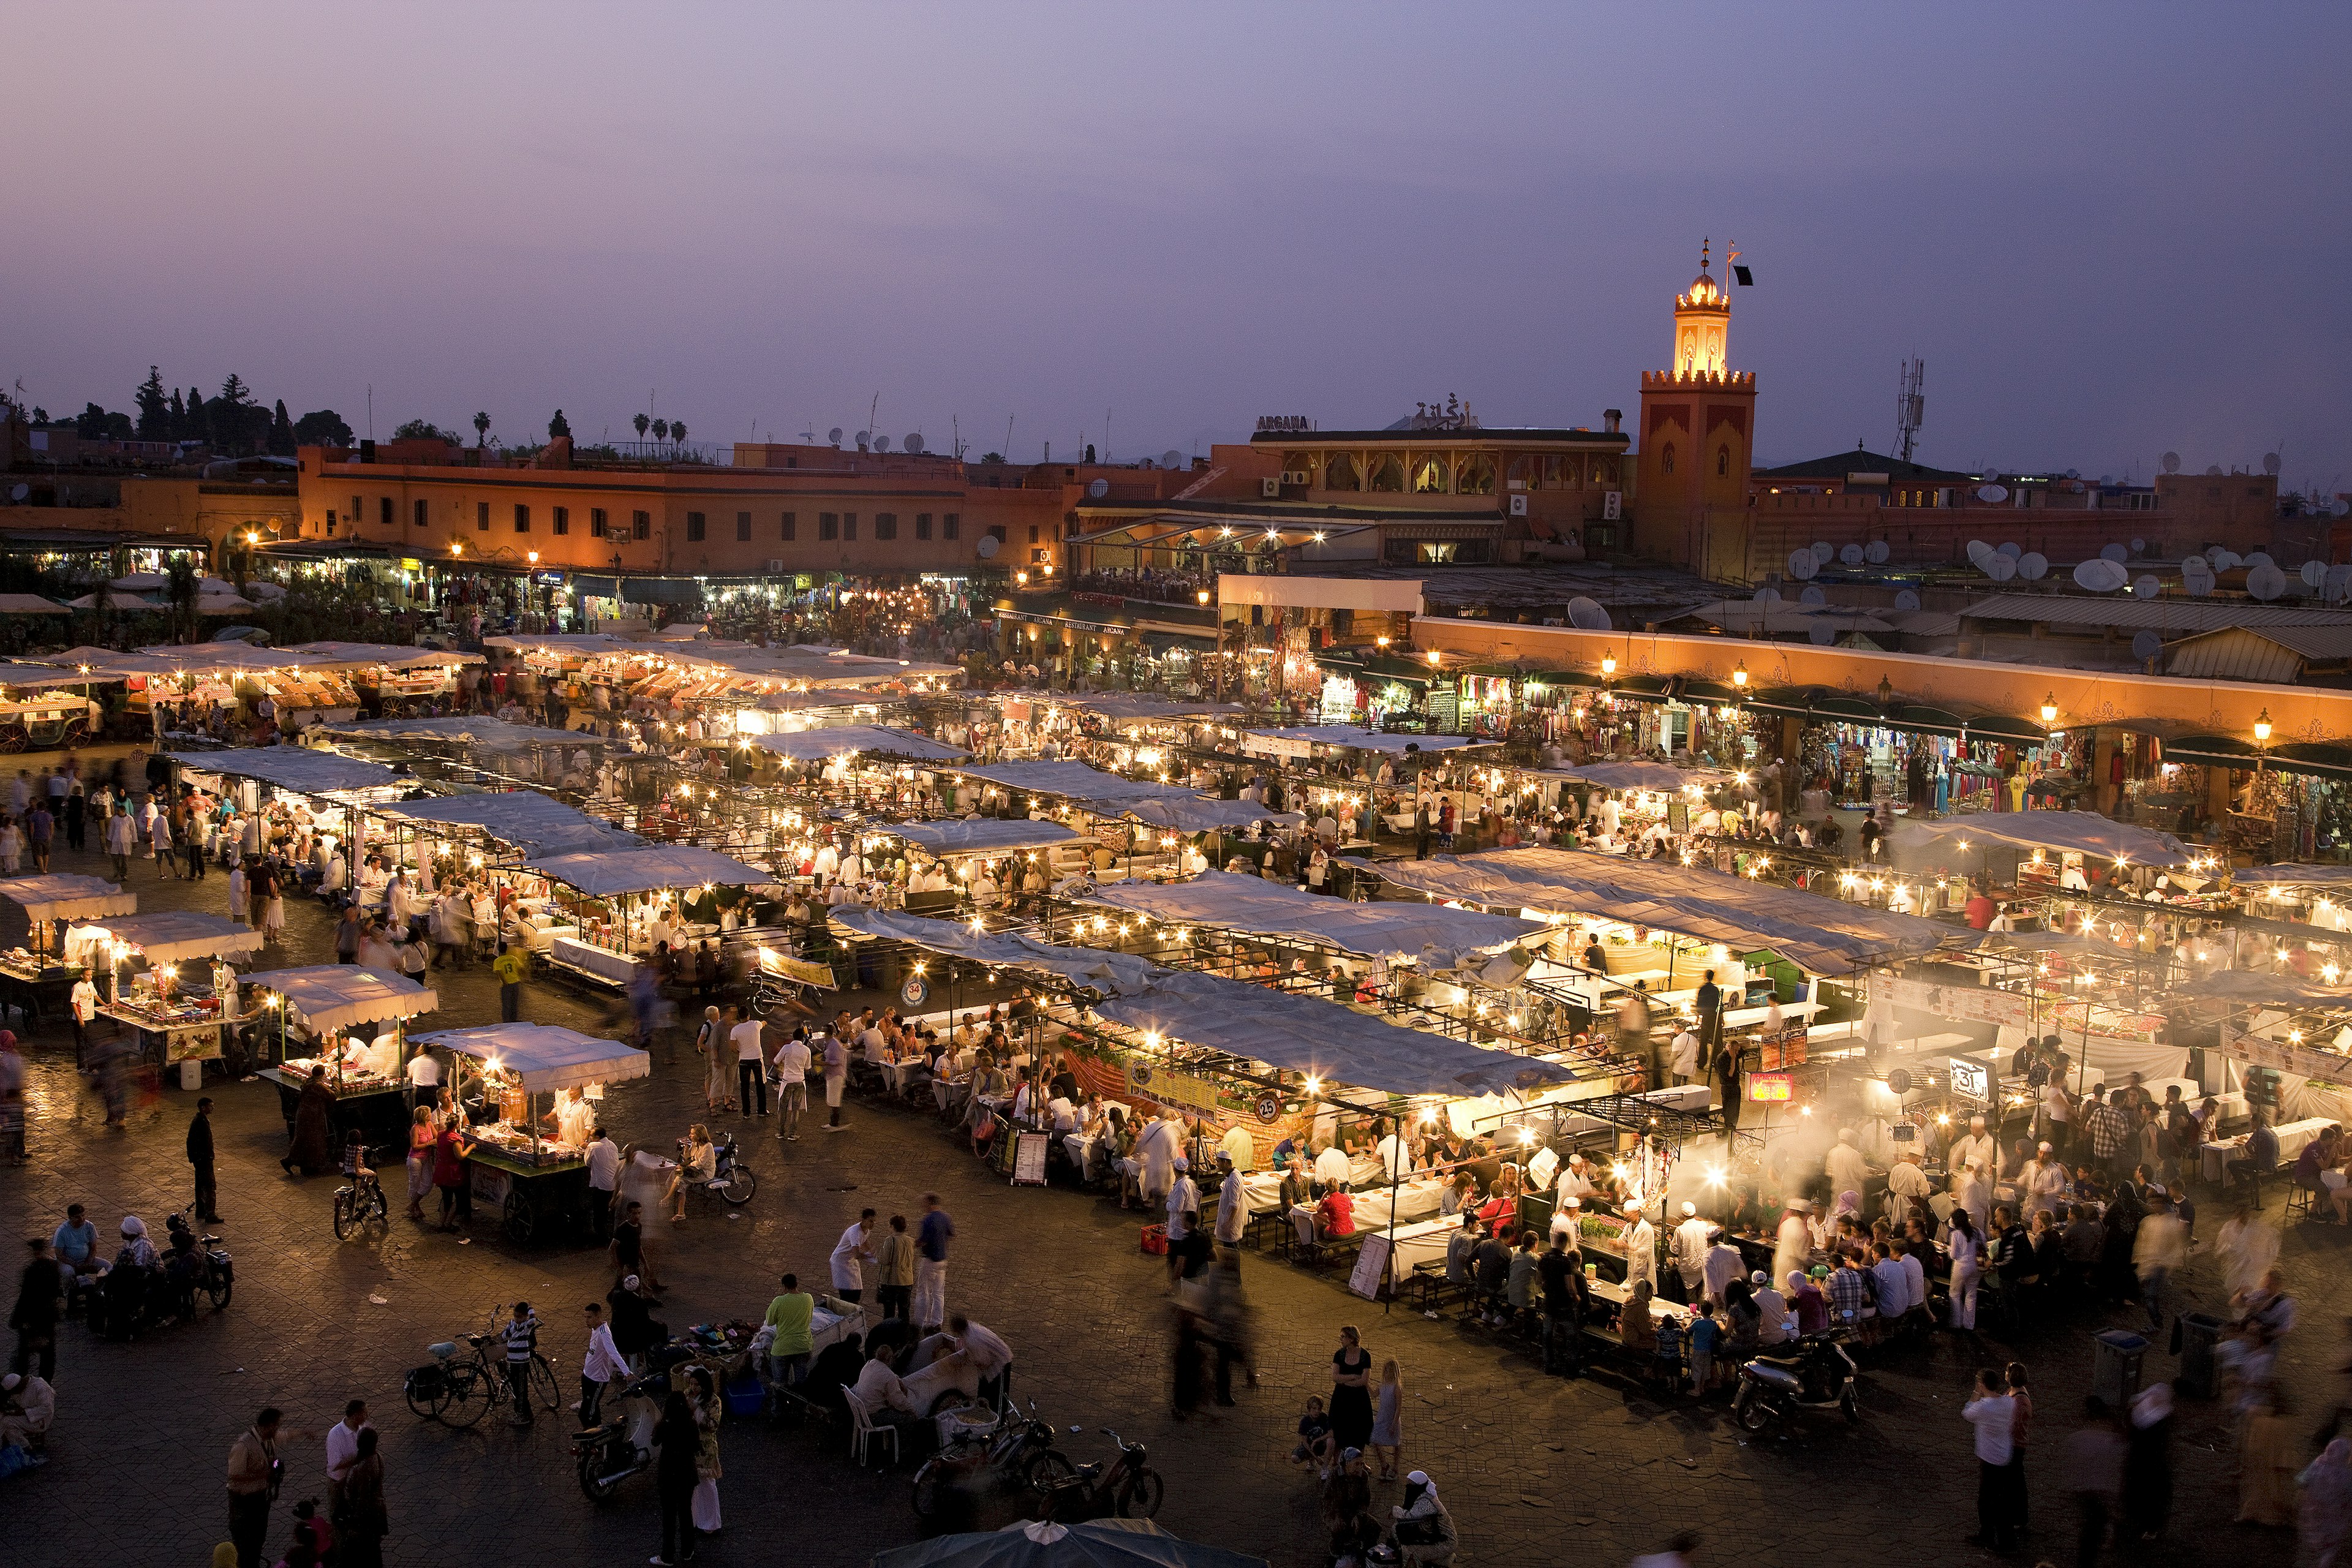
(881, 740)
(464, 729)
(240, 656)
(584, 643)
(331, 997)
(981, 836)
(1660, 778)
(1382, 741)
(2083, 831)
(1077, 782)
(62, 895)
(1825, 936)
(544, 1055)
(1258, 908)
(1138, 708)
(296, 768)
(30, 605)
(2295, 876)
(171, 936)
(522, 817)
(646, 870)
(390, 655)
(1082, 968)
(1198, 813)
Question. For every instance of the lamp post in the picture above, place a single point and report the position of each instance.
(2262, 737)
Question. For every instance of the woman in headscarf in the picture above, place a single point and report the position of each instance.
(308, 1148)
(2147, 1464)
(2326, 1511)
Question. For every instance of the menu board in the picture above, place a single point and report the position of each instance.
(1029, 1158)
(1444, 706)
(1966, 1003)
(1372, 1266)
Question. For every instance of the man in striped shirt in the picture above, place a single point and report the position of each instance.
(521, 1336)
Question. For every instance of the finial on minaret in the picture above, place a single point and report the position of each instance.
(1703, 245)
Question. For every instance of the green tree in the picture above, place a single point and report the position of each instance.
(183, 587)
(481, 430)
(195, 426)
(322, 428)
(559, 427)
(176, 419)
(233, 391)
(677, 431)
(91, 425)
(421, 430)
(641, 422)
(154, 407)
(661, 429)
(281, 432)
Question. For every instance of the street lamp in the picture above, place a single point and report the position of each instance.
(2049, 709)
(1739, 675)
(2262, 727)
(1609, 667)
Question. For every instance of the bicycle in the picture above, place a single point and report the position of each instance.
(362, 1203)
(459, 1391)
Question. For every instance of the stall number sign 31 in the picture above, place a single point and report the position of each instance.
(1971, 1080)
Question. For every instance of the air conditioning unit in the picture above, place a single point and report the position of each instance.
(775, 568)
(1612, 505)
(1298, 477)
(1270, 488)
(1518, 506)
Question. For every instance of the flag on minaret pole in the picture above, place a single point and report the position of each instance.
(1747, 279)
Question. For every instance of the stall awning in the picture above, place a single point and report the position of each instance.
(1083, 969)
(1199, 814)
(1131, 708)
(468, 729)
(1386, 743)
(981, 836)
(2083, 831)
(389, 656)
(2263, 990)
(1258, 908)
(296, 768)
(614, 872)
(878, 739)
(595, 587)
(2295, 876)
(1823, 935)
(1307, 1035)
(661, 591)
(174, 936)
(238, 655)
(543, 1056)
(1073, 781)
(585, 644)
(524, 818)
(62, 896)
(335, 996)
(1660, 778)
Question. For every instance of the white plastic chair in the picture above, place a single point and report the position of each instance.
(862, 1430)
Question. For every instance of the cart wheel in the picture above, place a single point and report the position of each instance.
(74, 734)
(520, 1220)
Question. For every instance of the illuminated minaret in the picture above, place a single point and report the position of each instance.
(1702, 318)
(1697, 433)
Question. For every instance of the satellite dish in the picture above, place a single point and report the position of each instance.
(833, 434)
(2340, 578)
(2000, 568)
(2099, 576)
(2140, 547)
(1992, 475)
(1098, 489)
(2033, 566)
(2146, 586)
(1850, 556)
(881, 443)
(2314, 574)
(2225, 560)
(1820, 634)
(2338, 507)
(1587, 615)
(18, 492)
(1876, 552)
(1813, 595)
(864, 440)
(2266, 582)
(1772, 596)
(2013, 551)
(2258, 558)
(2271, 464)
(1823, 552)
(1980, 552)
(2146, 646)
(1907, 600)
(1995, 494)
(1801, 565)
(986, 548)
(2073, 473)
(1172, 458)
(913, 442)
(2196, 576)
(2171, 461)
(2114, 553)
(2212, 470)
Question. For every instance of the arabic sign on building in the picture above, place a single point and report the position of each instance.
(1181, 1092)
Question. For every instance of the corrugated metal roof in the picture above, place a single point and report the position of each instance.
(2167, 615)
(2258, 653)
(1922, 623)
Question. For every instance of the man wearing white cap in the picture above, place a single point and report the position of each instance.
(1792, 1245)
(1907, 1188)
(1183, 1215)
(1721, 1265)
(1848, 1171)
(29, 1408)
(2045, 1180)
(1774, 1328)
(1978, 1147)
(1687, 1252)
(1641, 1250)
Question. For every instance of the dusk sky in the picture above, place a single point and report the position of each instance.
(2109, 229)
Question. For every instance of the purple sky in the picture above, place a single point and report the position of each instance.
(2110, 230)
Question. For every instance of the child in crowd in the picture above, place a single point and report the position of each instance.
(1704, 1335)
(1313, 1439)
(1666, 1361)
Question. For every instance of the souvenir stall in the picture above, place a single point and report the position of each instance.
(168, 975)
(528, 1159)
(306, 788)
(1913, 757)
(35, 975)
(875, 767)
(325, 1018)
(608, 911)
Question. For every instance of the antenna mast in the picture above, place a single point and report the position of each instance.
(1910, 407)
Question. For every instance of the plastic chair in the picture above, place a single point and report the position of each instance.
(862, 1430)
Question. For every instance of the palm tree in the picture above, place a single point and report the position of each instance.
(677, 431)
(481, 430)
(661, 429)
(641, 422)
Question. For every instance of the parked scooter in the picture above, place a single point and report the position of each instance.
(622, 1445)
(1018, 1449)
(1815, 1375)
(1127, 1487)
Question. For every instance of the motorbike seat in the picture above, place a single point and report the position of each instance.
(443, 1350)
(1089, 1472)
(1780, 1360)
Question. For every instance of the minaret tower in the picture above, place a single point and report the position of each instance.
(1696, 438)
(1702, 318)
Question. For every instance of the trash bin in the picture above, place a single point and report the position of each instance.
(2114, 1366)
(2199, 1333)
(192, 1073)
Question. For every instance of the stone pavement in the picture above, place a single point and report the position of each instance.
(1537, 1470)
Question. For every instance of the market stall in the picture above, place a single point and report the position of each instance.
(527, 1163)
(35, 975)
(389, 676)
(153, 977)
(626, 904)
(325, 1009)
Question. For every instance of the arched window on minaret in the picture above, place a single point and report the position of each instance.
(1723, 459)
(1666, 459)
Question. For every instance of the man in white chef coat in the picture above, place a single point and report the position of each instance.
(1641, 1250)
(1686, 1248)
(1976, 1146)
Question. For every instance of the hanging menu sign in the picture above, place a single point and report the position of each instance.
(2283, 1055)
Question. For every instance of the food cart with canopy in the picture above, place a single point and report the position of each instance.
(626, 903)
(185, 1021)
(319, 1005)
(35, 975)
(538, 1184)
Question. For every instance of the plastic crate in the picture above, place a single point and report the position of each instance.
(1155, 1240)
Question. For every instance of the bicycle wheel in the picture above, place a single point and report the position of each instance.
(379, 1206)
(346, 1221)
(426, 1393)
(740, 1184)
(472, 1392)
(1048, 1467)
(1139, 1498)
(543, 1386)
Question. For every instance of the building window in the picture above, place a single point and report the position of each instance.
(383, 510)
(742, 527)
(1723, 459)
(828, 525)
(522, 518)
(997, 532)
(595, 522)
(923, 525)
(1666, 459)
(1431, 473)
(885, 525)
(562, 520)
(1032, 533)
(419, 510)
(950, 525)
(792, 527)
(358, 510)
(694, 528)
(331, 523)
(641, 523)
(849, 525)
(482, 516)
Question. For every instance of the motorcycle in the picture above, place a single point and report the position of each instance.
(731, 1176)
(622, 1445)
(1018, 1447)
(131, 1300)
(1817, 1375)
(1128, 1487)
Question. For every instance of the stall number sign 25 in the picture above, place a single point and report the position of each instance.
(1971, 1080)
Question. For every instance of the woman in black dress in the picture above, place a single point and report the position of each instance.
(1351, 1397)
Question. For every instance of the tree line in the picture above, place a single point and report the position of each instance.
(233, 422)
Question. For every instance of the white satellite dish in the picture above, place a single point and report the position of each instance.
(2171, 461)
(2225, 560)
(1820, 634)
(1812, 595)
(2335, 508)
(2212, 470)
(2196, 576)
(2146, 646)
(2116, 553)
(1992, 494)
(2266, 582)
(1908, 599)
(2271, 464)
(833, 434)
(2000, 568)
(1980, 552)
(2314, 574)
(2033, 566)
(2146, 586)
(1587, 615)
(2013, 551)
(1801, 565)
(864, 440)
(881, 443)
(2140, 547)
(986, 548)
(1876, 552)
(2258, 558)
(1172, 458)
(1772, 596)
(2099, 576)
(1097, 488)
(2340, 578)
(1850, 556)
(18, 492)
(913, 441)
(1824, 552)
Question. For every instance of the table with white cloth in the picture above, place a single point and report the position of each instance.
(1411, 1245)
(2291, 1138)
(1615, 1292)
(896, 1074)
(1415, 1200)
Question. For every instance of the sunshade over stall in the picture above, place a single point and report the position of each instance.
(36, 976)
(62, 895)
(1083, 969)
(363, 1071)
(296, 768)
(468, 729)
(524, 818)
(876, 740)
(1296, 742)
(2076, 832)
(983, 835)
(157, 1001)
(612, 925)
(1255, 907)
(1659, 778)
